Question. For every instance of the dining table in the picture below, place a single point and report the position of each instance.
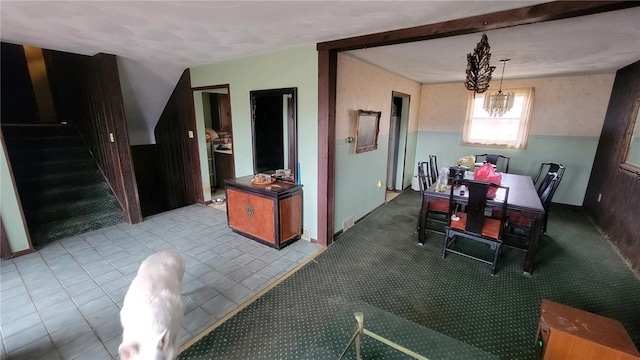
(523, 198)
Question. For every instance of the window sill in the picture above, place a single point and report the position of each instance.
(490, 146)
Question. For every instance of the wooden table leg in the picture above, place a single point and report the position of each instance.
(423, 222)
(532, 251)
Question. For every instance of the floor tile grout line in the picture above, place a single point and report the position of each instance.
(90, 244)
(35, 305)
(93, 330)
(249, 301)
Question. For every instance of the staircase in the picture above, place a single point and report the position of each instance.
(61, 189)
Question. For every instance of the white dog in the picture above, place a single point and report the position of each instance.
(152, 312)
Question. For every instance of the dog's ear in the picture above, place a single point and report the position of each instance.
(163, 343)
(128, 351)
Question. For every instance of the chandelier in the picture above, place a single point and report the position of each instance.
(499, 103)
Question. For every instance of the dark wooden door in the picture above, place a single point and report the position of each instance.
(177, 148)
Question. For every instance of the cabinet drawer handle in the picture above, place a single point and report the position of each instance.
(249, 210)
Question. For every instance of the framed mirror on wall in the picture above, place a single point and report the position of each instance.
(632, 159)
(274, 131)
(367, 128)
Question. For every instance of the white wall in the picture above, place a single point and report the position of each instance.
(145, 92)
(293, 67)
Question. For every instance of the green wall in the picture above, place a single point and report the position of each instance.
(293, 67)
(357, 191)
(10, 210)
(576, 153)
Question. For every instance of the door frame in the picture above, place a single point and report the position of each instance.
(403, 137)
(203, 89)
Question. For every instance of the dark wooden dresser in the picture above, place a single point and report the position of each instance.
(270, 214)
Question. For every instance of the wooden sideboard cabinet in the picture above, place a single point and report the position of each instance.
(270, 214)
(568, 333)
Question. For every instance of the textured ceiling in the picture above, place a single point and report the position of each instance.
(588, 44)
(155, 41)
(185, 34)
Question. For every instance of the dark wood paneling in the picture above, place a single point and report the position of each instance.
(87, 93)
(121, 161)
(147, 178)
(178, 156)
(619, 209)
(327, 76)
(18, 99)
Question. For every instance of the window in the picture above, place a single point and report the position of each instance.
(508, 131)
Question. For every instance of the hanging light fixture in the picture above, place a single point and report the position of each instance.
(478, 68)
(499, 103)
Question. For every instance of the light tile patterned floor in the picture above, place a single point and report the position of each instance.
(63, 301)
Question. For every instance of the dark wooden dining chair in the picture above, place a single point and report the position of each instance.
(432, 211)
(500, 161)
(546, 168)
(474, 224)
(520, 225)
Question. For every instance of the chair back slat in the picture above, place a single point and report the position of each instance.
(473, 224)
(433, 164)
(547, 192)
(546, 168)
(500, 161)
(423, 179)
(477, 203)
(475, 206)
(546, 181)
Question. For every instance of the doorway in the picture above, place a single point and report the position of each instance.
(398, 127)
(213, 114)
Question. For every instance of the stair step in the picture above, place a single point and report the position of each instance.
(62, 191)
(23, 131)
(59, 180)
(55, 230)
(66, 193)
(57, 211)
(20, 157)
(48, 142)
(52, 167)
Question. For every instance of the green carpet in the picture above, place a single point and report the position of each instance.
(378, 264)
(61, 189)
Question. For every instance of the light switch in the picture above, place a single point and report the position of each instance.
(190, 134)
(111, 137)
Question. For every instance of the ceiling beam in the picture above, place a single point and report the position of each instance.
(498, 20)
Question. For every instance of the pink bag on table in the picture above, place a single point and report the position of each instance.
(487, 173)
